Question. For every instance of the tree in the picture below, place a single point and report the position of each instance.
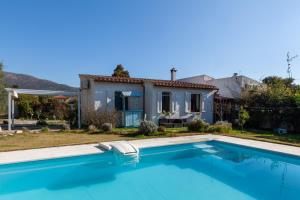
(274, 105)
(275, 80)
(120, 71)
(2, 91)
(243, 118)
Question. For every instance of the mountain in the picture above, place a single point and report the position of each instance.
(30, 82)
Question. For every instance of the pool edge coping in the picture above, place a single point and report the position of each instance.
(88, 149)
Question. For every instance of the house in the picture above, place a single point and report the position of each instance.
(150, 99)
(229, 87)
(229, 93)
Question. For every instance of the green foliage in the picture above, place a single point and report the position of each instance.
(274, 105)
(33, 107)
(45, 129)
(198, 126)
(148, 128)
(26, 104)
(41, 122)
(120, 71)
(107, 127)
(161, 129)
(220, 127)
(275, 81)
(243, 117)
(297, 99)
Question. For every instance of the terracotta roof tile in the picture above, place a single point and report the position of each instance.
(161, 83)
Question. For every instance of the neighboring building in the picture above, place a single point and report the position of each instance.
(139, 98)
(229, 87)
(61, 99)
(229, 94)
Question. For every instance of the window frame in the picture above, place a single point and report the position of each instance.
(163, 96)
(194, 108)
(118, 94)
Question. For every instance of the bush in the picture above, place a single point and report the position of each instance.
(66, 127)
(45, 129)
(161, 129)
(92, 128)
(198, 126)
(107, 127)
(25, 129)
(102, 116)
(148, 128)
(220, 127)
(41, 122)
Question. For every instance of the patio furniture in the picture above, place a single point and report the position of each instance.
(174, 122)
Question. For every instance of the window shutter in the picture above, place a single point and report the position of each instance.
(159, 102)
(109, 99)
(187, 102)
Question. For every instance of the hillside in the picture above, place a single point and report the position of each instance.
(30, 82)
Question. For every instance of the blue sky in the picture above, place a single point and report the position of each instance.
(58, 39)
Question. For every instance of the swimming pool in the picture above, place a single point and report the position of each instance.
(205, 170)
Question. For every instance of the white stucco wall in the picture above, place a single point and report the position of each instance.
(105, 95)
(101, 95)
(180, 103)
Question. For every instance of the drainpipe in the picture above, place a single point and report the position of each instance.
(144, 104)
(124, 116)
(79, 109)
(9, 111)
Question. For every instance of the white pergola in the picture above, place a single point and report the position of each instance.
(13, 94)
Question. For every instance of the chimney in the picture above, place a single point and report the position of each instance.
(173, 74)
(235, 74)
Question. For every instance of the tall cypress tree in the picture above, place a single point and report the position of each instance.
(120, 71)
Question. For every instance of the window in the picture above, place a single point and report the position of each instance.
(166, 101)
(119, 101)
(195, 102)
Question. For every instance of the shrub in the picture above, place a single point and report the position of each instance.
(161, 129)
(220, 127)
(92, 128)
(243, 118)
(25, 129)
(101, 116)
(66, 127)
(45, 129)
(198, 126)
(148, 128)
(107, 127)
(41, 122)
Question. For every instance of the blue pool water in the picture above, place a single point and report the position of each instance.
(208, 170)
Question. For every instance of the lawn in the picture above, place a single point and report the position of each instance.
(267, 136)
(50, 139)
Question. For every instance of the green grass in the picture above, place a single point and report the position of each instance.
(267, 136)
(63, 138)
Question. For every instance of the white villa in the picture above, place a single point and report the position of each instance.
(162, 101)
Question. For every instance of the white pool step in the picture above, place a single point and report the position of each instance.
(121, 147)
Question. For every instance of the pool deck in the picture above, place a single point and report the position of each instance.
(76, 150)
